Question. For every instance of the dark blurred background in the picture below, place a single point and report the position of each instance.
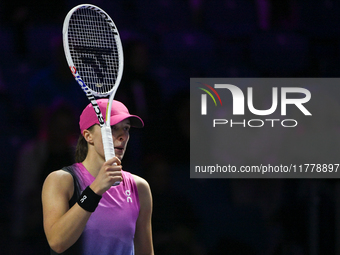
(165, 43)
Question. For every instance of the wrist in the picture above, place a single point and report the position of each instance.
(89, 200)
(96, 189)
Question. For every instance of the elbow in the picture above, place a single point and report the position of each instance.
(57, 247)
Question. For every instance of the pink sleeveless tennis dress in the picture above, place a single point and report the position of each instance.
(111, 227)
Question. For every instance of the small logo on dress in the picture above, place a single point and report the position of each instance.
(128, 194)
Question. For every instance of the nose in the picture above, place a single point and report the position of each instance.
(122, 135)
(121, 138)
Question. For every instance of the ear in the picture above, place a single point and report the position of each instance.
(88, 136)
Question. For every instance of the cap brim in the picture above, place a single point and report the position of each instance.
(135, 121)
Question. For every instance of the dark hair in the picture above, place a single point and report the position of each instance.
(82, 148)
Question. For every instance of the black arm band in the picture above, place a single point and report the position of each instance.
(89, 200)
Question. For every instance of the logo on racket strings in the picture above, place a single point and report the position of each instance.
(96, 58)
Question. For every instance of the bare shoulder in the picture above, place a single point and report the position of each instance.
(141, 183)
(59, 181)
(60, 178)
(144, 191)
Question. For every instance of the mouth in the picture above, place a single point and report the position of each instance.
(119, 149)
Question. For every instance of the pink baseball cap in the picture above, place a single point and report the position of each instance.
(119, 112)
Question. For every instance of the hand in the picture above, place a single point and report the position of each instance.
(109, 173)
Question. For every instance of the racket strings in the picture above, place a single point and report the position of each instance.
(94, 50)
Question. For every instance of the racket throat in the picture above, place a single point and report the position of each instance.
(96, 109)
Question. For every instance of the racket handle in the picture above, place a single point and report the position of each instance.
(109, 149)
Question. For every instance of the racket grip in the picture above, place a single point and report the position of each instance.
(109, 150)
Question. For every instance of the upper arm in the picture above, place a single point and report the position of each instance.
(143, 234)
(57, 190)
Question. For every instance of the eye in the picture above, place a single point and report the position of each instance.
(116, 128)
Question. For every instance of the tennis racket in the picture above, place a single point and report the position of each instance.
(94, 54)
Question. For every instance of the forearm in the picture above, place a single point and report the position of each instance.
(67, 229)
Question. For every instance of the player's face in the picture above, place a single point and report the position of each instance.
(120, 136)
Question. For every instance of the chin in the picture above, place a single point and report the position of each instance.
(120, 157)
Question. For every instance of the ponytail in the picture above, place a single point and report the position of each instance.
(82, 148)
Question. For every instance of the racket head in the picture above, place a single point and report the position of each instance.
(93, 49)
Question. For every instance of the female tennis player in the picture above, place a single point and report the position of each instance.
(83, 212)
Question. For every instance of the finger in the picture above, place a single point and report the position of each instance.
(115, 174)
(113, 168)
(113, 161)
(116, 180)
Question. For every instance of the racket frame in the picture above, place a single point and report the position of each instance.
(91, 94)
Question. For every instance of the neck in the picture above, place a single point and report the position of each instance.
(93, 164)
